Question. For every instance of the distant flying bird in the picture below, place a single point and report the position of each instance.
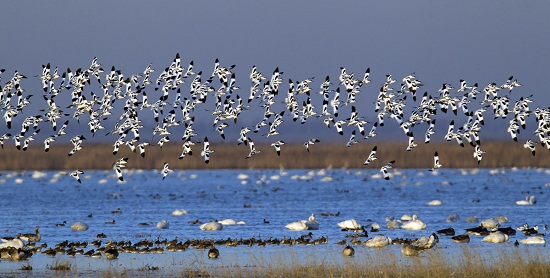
(311, 142)
(206, 151)
(75, 174)
(385, 168)
(252, 147)
(372, 156)
(437, 165)
(166, 170)
(530, 145)
(277, 145)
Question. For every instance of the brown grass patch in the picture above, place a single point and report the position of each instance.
(230, 156)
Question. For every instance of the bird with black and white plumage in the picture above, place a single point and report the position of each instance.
(372, 156)
(118, 165)
(77, 144)
(384, 169)
(530, 145)
(437, 165)
(75, 174)
(252, 147)
(166, 170)
(478, 154)
(311, 141)
(352, 140)
(206, 151)
(277, 145)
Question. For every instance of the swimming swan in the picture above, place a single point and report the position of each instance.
(349, 225)
(378, 241)
(211, 226)
(414, 224)
(529, 201)
(496, 237)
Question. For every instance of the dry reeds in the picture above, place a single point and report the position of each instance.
(293, 156)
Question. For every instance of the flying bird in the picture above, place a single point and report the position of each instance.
(385, 168)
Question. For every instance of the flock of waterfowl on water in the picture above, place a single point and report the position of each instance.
(23, 246)
(177, 93)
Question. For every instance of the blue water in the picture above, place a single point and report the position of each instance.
(279, 196)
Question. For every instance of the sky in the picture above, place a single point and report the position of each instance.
(440, 41)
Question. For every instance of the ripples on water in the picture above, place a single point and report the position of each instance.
(280, 197)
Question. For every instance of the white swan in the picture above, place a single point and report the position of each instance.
(179, 212)
(434, 203)
(538, 239)
(15, 243)
(349, 225)
(529, 201)
(312, 223)
(496, 237)
(163, 225)
(231, 222)
(414, 224)
(297, 226)
(79, 226)
(378, 241)
(491, 224)
(211, 226)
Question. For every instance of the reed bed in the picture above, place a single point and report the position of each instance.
(293, 156)
(502, 262)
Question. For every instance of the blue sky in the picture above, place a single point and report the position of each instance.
(441, 41)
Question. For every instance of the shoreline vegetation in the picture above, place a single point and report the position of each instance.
(509, 262)
(499, 154)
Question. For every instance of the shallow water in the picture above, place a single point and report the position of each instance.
(48, 198)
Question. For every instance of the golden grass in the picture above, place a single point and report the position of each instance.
(230, 156)
(508, 262)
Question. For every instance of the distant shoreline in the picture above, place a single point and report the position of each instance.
(499, 154)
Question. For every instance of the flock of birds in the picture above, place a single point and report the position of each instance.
(172, 106)
(25, 245)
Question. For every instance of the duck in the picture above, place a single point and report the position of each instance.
(213, 253)
(111, 253)
(529, 201)
(496, 237)
(31, 237)
(411, 250)
(464, 238)
(214, 225)
(378, 241)
(348, 251)
(446, 232)
(163, 225)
